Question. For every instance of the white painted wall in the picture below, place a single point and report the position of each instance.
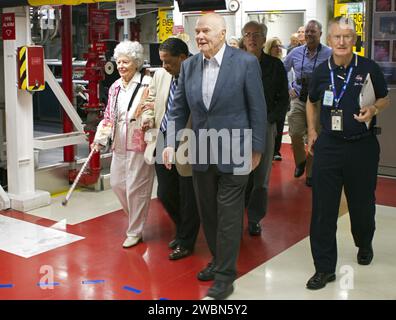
(311, 9)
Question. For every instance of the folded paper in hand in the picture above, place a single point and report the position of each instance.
(367, 95)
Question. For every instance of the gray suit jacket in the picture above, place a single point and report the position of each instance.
(237, 103)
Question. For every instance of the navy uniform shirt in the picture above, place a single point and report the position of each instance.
(321, 81)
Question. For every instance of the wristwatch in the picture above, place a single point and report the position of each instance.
(376, 109)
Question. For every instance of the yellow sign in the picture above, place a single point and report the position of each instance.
(356, 11)
(164, 24)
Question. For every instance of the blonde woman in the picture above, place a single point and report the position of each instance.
(273, 47)
(131, 178)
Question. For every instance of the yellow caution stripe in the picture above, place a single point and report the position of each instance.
(36, 88)
(22, 68)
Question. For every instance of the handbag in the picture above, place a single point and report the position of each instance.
(136, 137)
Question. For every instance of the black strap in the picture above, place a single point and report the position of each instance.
(136, 91)
(316, 59)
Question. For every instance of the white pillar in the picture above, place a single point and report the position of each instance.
(19, 122)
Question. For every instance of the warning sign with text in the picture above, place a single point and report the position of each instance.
(100, 25)
(126, 9)
(164, 24)
(8, 26)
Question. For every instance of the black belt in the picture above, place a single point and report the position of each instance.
(372, 132)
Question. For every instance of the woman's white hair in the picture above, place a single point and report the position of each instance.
(131, 49)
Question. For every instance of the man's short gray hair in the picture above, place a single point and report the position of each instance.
(131, 49)
(343, 22)
(263, 28)
(316, 22)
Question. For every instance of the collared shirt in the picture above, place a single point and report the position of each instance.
(125, 95)
(211, 68)
(303, 63)
(349, 104)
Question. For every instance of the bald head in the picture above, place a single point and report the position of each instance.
(215, 20)
(210, 34)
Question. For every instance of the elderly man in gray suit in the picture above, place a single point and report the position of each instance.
(221, 89)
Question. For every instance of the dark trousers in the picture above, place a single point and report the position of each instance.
(256, 194)
(177, 196)
(278, 140)
(338, 163)
(221, 205)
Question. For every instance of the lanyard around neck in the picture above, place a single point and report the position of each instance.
(337, 99)
(316, 59)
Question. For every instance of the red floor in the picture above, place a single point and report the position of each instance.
(144, 272)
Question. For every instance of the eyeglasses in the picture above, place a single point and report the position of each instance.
(276, 46)
(252, 34)
(346, 38)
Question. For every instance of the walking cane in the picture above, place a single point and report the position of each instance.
(64, 202)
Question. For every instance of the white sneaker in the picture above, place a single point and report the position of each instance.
(131, 241)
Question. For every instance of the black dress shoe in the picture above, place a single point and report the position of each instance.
(308, 181)
(319, 280)
(299, 171)
(220, 290)
(277, 156)
(254, 229)
(207, 274)
(179, 253)
(365, 255)
(173, 244)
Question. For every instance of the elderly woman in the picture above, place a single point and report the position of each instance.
(131, 178)
(233, 42)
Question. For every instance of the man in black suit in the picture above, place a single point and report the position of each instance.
(221, 88)
(274, 81)
(175, 186)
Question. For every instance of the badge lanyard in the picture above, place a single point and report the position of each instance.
(337, 99)
(303, 59)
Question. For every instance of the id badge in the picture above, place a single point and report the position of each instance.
(328, 98)
(336, 120)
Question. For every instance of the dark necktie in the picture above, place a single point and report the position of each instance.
(168, 105)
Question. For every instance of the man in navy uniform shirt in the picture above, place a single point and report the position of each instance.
(346, 151)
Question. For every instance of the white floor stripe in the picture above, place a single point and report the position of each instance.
(27, 239)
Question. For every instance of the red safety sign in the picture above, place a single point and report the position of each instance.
(99, 47)
(100, 25)
(8, 26)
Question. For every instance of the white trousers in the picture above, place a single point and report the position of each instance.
(131, 179)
